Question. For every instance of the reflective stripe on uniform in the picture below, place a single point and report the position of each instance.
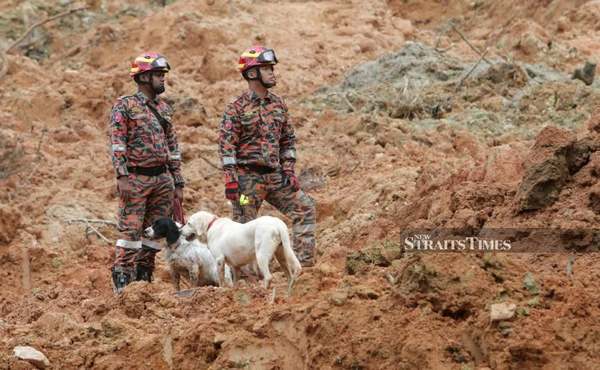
(290, 153)
(228, 161)
(119, 148)
(129, 244)
(151, 244)
(305, 227)
(176, 156)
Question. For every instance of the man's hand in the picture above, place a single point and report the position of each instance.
(232, 191)
(123, 186)
(179, 193)
(290, 179)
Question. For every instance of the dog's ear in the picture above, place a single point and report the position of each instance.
(172, 232)
(160, 227)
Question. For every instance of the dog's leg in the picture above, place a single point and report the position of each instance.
(291, 282)
(254, 267)
(235, 274)
(194, 273)
(221, 270)
(175, 279)
(228, 275)
(263, 259)
(280, 256)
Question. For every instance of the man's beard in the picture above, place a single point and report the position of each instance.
(268, 85)
(158, 89)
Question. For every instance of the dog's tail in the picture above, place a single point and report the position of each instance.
(288, 252)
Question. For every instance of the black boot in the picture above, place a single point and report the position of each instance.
(121, 277)
(143, 273)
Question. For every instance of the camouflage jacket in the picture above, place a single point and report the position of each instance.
(257, 132)
(137, 138)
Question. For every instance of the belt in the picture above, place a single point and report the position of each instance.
(148, 171)
(263, 170)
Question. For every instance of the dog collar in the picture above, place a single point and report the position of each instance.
(210, 223)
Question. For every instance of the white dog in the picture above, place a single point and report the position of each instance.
(241, 244)
(188, 258)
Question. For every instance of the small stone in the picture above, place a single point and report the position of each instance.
(586, 73)
(534, 302)
(530, 284)
(502, 311)
(31, 355)
(242, 298)
(339, 298)
(366, 293)
(219, 339)
(522, 311)
(505, 328)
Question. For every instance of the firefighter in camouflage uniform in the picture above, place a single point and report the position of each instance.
(147, 162)
(257, 149)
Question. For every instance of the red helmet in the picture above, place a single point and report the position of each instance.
(149, 62)
(256, 56)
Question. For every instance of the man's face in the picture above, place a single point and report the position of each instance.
(157, 80)
(268, 75)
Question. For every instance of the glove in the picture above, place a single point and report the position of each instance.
(232, 191)
(290, 179)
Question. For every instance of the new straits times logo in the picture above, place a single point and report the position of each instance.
(424, 242)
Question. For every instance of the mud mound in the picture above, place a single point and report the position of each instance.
(392, 135)
(497, 101)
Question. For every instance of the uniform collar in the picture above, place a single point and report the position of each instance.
(255, 98)
(144, 99)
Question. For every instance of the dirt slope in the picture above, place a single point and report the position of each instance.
(393, 135)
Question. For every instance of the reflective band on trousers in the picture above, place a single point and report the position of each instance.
(228, 161)
(175, 156)
(129, 244)
(119, 148)
(151, 244)
(305, 227)
(290, 153)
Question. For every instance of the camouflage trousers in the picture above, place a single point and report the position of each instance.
(296, 205)
(151, 198)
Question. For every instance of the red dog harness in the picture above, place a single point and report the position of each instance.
(210, 223)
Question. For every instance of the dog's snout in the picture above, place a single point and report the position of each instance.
(149, 232)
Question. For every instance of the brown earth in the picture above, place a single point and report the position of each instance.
(384, 147)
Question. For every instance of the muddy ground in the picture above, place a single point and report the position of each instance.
(401, 125)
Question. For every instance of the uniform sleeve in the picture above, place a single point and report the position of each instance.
(287, 143)
(174, 161)
(229, 135)
(118, 138)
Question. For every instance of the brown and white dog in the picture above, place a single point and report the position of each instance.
(188, 258)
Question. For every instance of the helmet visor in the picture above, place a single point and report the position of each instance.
(267, 57)
(161, 64)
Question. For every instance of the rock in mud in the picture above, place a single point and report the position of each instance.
(586, 73)
(502, 311)
(339, 298)
(31, 355)
(555, 156)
